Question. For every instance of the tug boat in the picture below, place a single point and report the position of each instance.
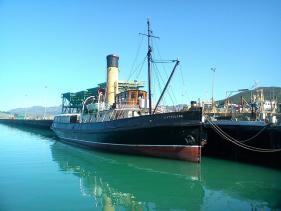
(126, 122)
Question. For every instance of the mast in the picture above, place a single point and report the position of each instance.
(149, 59)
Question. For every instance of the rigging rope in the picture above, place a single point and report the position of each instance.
(135, 59)
(159, 83)
(168, 90)
(141, 66)
(184, 90)
(227, 137)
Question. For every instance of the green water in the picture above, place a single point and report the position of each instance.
(40, 173)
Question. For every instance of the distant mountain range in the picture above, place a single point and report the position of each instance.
(268, 92)
(37, 110)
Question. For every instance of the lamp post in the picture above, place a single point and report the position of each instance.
(213, 83)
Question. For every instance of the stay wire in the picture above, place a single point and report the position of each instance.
(133, 67)
(168, 88)
(183, 83)
(141, 66)
(164, 68)
(138, 69)
(170, 92)
(159, 83)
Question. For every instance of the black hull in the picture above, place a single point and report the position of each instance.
(172, 135)
(269, 138)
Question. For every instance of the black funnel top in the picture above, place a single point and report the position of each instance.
(112, 60)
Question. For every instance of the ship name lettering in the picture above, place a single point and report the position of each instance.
(178, 116)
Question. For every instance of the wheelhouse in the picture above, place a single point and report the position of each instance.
(131, 97)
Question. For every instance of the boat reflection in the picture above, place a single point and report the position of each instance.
(133, 183)
(139, 183)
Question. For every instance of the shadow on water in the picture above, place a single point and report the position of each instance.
(144, 183)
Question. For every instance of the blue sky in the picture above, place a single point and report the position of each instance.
(62, 45)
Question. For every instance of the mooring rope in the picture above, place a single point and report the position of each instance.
(241, 141)
(227, 137)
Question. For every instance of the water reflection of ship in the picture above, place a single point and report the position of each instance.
(116, 181)
(122, 181)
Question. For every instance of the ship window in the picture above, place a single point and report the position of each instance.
(133, 95)
(73, 119)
